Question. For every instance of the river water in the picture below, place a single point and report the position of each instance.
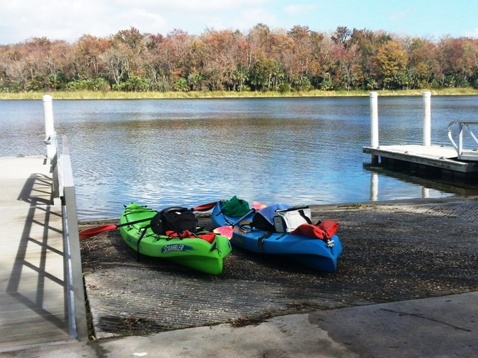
(189, 152)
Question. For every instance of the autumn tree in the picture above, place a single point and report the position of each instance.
(391, 61)
(88, 50)
(304, 63)
(367, 43)
(423, 67)
(344, 53)
(223, 55)
(261, 59)
(90, 69)
(177, 60)
(155, 77)
(125, 60)
(459, 59)
(44, 64)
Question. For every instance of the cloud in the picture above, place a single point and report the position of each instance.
(299, 9)
(473, 33)
(189, 5)
(69, 20)
(398, 16)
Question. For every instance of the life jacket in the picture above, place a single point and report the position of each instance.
(323, 230)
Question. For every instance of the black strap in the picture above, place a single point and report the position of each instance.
(139, 240)
(306, 218)
(157, 224)
(260, 241)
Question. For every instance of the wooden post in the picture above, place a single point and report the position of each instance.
(427, 119)
(374, 124)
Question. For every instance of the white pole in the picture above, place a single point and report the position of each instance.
(50, 135)
(425, 193)
(374, 187)
(374, 119)
(48, 110)
(427, 119)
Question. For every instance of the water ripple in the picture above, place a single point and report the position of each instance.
(189, 152)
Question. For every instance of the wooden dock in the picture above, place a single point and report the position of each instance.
(33, 289)
(429, 161)
(452, 164)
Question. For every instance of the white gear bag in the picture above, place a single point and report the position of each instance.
(288, 220)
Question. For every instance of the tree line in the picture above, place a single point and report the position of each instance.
(262, 59)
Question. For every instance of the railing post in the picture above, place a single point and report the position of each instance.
(460, 139)
(51, 142)
(48, 109)
(427, 119)
(50, 136)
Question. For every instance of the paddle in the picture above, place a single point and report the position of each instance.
(205, 207)
(228, 230)
(109, 227)
(258, 205)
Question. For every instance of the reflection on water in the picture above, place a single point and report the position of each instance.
(189, 152)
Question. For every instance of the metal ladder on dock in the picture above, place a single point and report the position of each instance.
(463, 126)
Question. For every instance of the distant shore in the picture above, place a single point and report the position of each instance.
(110, 95)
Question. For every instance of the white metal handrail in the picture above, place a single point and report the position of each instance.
(63, 187)
(462, 153)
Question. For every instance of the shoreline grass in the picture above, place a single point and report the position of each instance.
(111, 95)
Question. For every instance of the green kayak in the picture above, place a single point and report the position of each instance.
(202, 250)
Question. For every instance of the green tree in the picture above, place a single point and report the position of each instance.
(265, 75)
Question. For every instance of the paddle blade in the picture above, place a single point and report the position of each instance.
(205, 207)
(226, 231)
(96, 230)
(258, 206)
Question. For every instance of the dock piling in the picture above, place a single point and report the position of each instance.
(374, 123)
(427, 119)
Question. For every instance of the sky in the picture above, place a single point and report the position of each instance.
(21, 20)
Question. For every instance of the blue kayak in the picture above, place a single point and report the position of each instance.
(317, 254)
